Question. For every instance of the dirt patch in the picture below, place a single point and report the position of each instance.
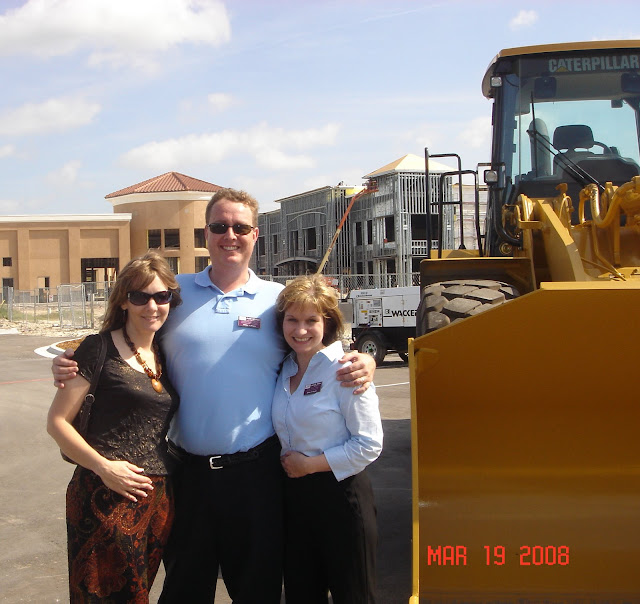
(73, 344)
(46, 329)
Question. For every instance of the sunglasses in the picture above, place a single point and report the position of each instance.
(138, 298)
(220, 228)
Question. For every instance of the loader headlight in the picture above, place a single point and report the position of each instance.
(496, 176)
(490, 177)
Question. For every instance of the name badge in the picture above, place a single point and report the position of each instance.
(252, 322)
(312, 388)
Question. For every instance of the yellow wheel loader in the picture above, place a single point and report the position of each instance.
(525, 413)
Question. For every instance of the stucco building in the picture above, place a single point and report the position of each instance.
(45, 251)
(165, 212)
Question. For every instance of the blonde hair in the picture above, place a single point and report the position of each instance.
(238, 197)
(313, 290)
(136, 275)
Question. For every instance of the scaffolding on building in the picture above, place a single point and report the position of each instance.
(292, 240)
(385, 233)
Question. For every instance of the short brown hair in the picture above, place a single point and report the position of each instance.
(136, 275)
(313, 290)
(234, 195)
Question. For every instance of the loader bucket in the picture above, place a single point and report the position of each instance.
(526, 450)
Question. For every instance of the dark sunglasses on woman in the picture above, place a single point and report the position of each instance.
(138, 298)
(220, 228)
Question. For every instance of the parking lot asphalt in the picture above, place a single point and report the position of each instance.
(33, 482)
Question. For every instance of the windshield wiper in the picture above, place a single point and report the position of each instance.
(580, 175)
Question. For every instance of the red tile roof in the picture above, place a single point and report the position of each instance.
(167, 183)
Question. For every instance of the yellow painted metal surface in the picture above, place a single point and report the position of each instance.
(526, 450)
(593, 249)
(563, 47)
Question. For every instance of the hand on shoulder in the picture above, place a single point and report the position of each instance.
(64, 368)
(359, 374)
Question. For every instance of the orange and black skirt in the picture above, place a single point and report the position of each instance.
(115, 545)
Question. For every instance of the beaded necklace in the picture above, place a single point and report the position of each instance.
(154, 377)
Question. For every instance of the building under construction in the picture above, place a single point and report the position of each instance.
(383, 239)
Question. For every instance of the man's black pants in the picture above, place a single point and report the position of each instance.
(228, 518)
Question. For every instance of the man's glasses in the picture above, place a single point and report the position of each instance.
(220, 228)
(138, 298)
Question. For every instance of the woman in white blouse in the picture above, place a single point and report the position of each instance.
(328, 436)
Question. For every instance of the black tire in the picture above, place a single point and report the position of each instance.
(371, 343)
(449, 301)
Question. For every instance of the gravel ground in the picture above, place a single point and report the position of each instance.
(69, 337)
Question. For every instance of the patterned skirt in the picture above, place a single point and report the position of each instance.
(115, 545)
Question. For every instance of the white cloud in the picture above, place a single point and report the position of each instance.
(270, 147)
(476, 134)
(451, 137)
(219, 101)
(525, 18)
(274, 159)
(316, 181)
(433, 135)
(19, 207)
(347, 176)
(9, 207)
(52, 115)
(119, 60)
(7, 151)
(67, 175)
(114, 32)
(194, 110)
(353, 176)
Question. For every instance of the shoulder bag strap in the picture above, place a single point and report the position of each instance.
(85, 411)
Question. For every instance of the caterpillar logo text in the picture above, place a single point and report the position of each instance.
(603, 63)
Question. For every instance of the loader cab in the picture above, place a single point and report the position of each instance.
(561, 113)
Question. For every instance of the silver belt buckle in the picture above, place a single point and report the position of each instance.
(212, 462)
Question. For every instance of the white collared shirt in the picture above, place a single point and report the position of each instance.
(323, 417)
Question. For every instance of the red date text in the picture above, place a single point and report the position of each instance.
(496, 555)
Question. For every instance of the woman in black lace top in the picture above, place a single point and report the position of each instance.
(119, 500)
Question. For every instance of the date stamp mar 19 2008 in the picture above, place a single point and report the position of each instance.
(496, 555)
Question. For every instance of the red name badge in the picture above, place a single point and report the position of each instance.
(252, 322)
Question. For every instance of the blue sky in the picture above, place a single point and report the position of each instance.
(275, 96)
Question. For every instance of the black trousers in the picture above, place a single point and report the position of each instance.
(330, 539)
(230, 518)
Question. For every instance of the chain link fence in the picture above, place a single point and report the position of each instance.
(82, 305)
(344, 284)
(74, 306)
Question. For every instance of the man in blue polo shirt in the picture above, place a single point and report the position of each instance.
(223, 354)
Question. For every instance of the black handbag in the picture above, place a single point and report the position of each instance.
(81, 420)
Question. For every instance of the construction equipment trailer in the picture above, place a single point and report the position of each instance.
(525, 413)
(383, 320)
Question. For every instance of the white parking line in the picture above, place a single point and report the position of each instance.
(387, 385)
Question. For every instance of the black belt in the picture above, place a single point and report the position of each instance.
(217, 462)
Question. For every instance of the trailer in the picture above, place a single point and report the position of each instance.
(383, 320)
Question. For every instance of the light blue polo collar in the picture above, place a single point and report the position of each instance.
(250, 287)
